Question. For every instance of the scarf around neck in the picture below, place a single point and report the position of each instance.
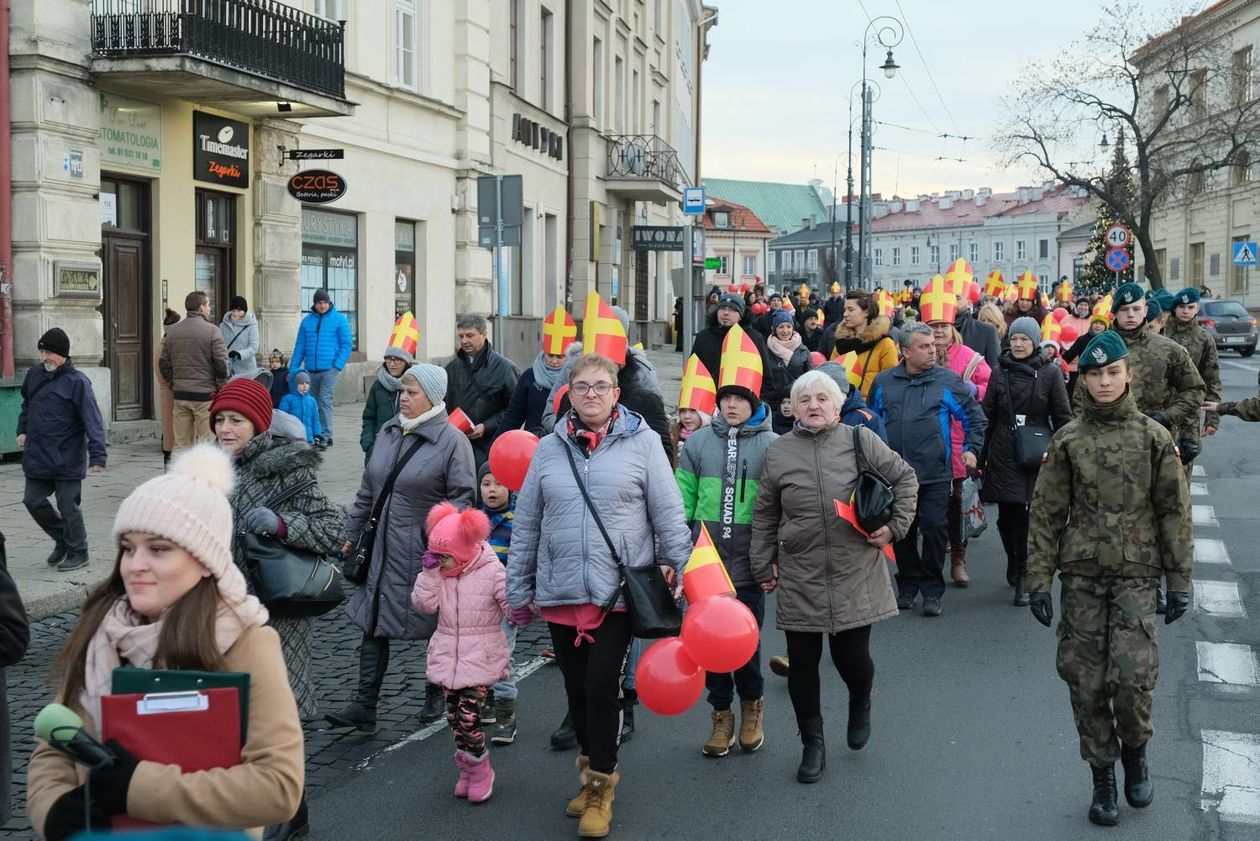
(125, 638)
(545, 377)
(782, 349)
(409, 424)
(390, 382)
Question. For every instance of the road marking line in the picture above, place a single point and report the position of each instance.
(423, 733)
(1243, 365)
(1203, 515)
(1231, 775)
(1198, 489)
(1228, 663)
(1209, 550)
(1219, 598)
(1197, 470)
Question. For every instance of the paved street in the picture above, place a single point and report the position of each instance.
(973, 736)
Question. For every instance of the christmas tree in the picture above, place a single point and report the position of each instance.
(1096, 278)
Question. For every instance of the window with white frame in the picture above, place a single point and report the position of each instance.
(813, 260)
(750, 265)
(405, 54)
(725, 264)
(934, 255)
(953, 252)
(800, 260)
(914, 255)
(973, 253)
(896, 256)
(1021, 250)
(771, 259)
(879, 256)
(999, 251)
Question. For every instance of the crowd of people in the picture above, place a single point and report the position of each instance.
(922, 401)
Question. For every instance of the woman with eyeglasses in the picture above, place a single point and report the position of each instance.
(601, 464)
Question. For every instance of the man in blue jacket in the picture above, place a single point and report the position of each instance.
(323, 346)
(61, 432)
(917, 401)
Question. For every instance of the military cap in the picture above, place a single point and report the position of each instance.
(1129, 293)
(1103, 349)
(1165, 298)
(1189, 295)
(1153, 309)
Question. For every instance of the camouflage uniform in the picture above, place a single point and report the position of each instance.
(1248, 410)
(1111, 513)
(1164, 379)
(1202, 350)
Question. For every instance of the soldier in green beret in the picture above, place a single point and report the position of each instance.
(1185, 330)
(1125, 522)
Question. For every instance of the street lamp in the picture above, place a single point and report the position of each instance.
(848, 199)
(887, 31)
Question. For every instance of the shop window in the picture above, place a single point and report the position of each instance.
(330, 261)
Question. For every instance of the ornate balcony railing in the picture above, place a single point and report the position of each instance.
(643, 156)
(262, 37)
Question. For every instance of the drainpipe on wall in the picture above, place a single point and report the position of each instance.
(567, 292)
(6, 204)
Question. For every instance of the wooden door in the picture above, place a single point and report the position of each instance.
(127, 350)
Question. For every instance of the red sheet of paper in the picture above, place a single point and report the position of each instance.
(845, 512)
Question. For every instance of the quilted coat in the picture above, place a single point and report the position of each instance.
(469, 647)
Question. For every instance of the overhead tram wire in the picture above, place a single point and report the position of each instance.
(915, 42)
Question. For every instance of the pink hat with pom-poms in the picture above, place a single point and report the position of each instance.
(457, 533)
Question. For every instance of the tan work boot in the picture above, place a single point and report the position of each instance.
(751, 736)
(578, 804)
(958, 567)
(723, 735)
(597, 816)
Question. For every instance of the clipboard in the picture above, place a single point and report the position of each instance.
(129, 681)
(197, 730)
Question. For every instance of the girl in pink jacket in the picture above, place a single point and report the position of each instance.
(974, 371)
(464, 583)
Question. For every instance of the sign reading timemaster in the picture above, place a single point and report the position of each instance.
(220, 150)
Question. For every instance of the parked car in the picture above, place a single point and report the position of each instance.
(1229, 324)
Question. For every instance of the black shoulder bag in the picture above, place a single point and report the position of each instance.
(355, 565)
(1031, 440)
(291, 582)
(873, 495)
(653, 611)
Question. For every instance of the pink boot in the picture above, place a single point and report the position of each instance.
(461, 785)
(480, 777)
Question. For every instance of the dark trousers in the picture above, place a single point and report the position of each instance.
(64, 524)
(592, 681)
(463, 714)
(851, 654)
(746, 680)
(1012, 523)
(922, 571)
(956, 542)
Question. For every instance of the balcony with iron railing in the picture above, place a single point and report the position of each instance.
(265, 57)
(643, 167)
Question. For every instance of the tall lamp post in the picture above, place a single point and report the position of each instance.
(848, 198)
(888, 32)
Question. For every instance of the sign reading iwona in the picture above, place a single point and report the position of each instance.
(220, 150)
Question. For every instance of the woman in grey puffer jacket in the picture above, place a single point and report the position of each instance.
(560, 562)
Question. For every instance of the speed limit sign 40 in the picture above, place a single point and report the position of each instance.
(1118, 236)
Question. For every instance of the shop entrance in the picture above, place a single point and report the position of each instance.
(126, 293)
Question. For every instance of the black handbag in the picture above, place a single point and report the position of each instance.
(354, 566)
(291, 582)
(873, 495)
(649, 601)
(1029, 441)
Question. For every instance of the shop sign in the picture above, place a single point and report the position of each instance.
(317, 186)
(131, 134)
(657, 237)
(340, 230)
(220, 150)
(76, 280)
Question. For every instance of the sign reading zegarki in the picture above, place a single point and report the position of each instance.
(220, 150)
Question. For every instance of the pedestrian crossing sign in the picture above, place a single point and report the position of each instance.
(1244, 254)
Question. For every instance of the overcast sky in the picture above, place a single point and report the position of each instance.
(777, 83)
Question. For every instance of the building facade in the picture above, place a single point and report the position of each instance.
(737, 239)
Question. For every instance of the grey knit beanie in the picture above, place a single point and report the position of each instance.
(431, 378)
(1028, 327)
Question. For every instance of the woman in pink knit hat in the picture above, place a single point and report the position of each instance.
(464, 583)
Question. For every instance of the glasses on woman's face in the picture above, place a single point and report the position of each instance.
(584, 388)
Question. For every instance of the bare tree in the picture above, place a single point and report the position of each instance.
(1184, 98)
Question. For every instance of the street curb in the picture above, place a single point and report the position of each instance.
(42, 607)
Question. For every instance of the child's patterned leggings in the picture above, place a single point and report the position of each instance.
(463, 714)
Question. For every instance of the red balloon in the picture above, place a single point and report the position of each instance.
(720, 634)
(1060, 314)
(559, 399)
(1068, 334)
(667, 679)
(745, 287)
(816, 358)
(732, 288)
(760, 308)
(510, 455)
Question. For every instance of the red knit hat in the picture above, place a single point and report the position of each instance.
(457, 533)
(249, 398)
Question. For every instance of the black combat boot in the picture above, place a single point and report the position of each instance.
(1103, 810)
(859, 722)
(813, 751)
(373, 663)
(434, 708)
(1138, 789)
(565, 737)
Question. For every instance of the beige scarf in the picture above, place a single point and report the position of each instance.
(782, 349)
(124, 637)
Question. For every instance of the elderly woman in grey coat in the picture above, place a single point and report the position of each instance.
(439, 466)
(561, 564)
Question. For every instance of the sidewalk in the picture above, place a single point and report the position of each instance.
(47, 592)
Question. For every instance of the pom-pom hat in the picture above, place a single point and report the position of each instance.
(457, 533)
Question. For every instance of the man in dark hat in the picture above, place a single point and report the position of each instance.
(323, 346)
(61, 433)
(708, 342)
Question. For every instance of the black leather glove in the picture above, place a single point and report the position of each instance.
(67, 818)
(1178, 603)
(1159, 418)
(109, 785)
(1042, 608)
(233, 354)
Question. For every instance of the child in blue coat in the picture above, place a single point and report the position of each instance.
(301, 404)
